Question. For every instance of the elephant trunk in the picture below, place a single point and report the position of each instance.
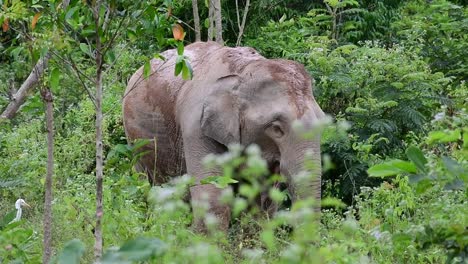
(301, 165)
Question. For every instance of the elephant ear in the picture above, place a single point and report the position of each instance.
(220, 116)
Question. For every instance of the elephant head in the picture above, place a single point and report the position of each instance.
(259, 106)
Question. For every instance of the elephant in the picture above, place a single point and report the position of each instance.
(235, 96)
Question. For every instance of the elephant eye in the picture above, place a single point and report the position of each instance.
(274, 129)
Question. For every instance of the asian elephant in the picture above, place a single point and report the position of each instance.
(235, 96)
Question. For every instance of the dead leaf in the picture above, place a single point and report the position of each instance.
(34, 20)
(5, 25)
(178, 32)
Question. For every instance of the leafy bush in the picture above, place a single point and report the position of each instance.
(436, 30)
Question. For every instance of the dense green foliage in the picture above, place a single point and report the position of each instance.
(390, 73)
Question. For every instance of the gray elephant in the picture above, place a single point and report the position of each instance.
(235, 96)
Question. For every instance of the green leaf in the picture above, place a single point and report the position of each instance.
(276, 195)
(401, 239)
(180, 48)
(72, 252)
(7, 219)
(110, 56)
(391, 168)
(178, 68)
(443, 136)
(147, 69)
(16, 51)
(71, 12)
(159, 56)
(187, 72)
(139, 249)
(417, 157)
(332, 202)
(465, 137)
(240, 205)
(139, 143)
(54, 79)
(423, 185)
(454, 168)
(219, 181)
(268, 237)
(85, 48)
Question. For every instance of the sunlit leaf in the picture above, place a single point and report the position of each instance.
(268, 237)
(443, 136)
(391, 168)
(147, 69)
(276, 195)
(219, 181)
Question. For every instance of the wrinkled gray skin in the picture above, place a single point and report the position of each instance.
(236, 96)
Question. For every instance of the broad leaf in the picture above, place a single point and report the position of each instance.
(72, 252)
(178, 68)
(85, 48)
(147, 69)
(139, 249)
(417, 157)
(187, 71)
(391, 168)
(54, 79)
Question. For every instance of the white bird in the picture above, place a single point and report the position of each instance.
(18, 204)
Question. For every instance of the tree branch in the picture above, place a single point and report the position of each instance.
(244, 18)
(20, 96)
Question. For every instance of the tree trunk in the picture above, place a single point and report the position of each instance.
(196, 20)
(211, 20)
(218, 21)
(48, 99)
(20, 96)
(99, 150)
(244, 18)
